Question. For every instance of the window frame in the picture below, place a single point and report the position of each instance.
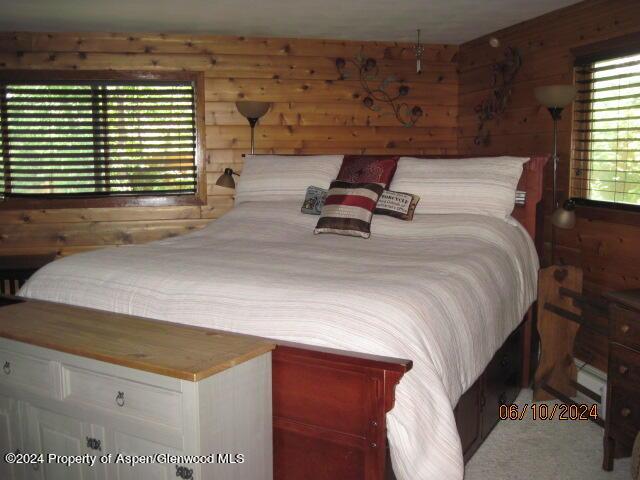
(200, 196)
(609, 49)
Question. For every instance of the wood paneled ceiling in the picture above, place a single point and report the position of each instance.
(441, 21)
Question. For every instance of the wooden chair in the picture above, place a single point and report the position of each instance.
(16, 269)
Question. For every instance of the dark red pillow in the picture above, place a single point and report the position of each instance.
(368, 169)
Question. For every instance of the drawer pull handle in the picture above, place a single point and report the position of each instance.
(94, 444)
(625, 412)
(184, 472)
(623, 369)
(120, 399)
(6, 368)
(624, 328)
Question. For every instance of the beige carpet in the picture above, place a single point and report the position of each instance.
(543, 450)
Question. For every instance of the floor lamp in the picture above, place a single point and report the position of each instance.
(252, 111)
(556, 98)
(556, 371)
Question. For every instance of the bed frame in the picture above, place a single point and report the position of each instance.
(329, 406)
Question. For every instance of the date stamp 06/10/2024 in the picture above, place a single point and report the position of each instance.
(543, 411)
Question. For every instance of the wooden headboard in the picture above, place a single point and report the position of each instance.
(531, 183)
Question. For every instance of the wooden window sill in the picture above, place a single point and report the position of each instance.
(100, 202)
(608, 212)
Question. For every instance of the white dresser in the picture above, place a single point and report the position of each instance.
(93, 386)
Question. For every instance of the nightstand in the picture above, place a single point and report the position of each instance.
(623, 380)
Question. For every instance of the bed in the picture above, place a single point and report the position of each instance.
(445, 291)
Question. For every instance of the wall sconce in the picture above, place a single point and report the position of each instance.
(503, 75)
(226, 179)
(253, 111)
(382, 93)
(565, 216)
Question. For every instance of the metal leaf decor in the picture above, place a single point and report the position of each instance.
(503, 75)
(367, 70)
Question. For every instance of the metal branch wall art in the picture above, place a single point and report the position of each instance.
(388, 91)
(504, 73)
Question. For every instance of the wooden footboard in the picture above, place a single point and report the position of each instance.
(329, 413)
(329, 409)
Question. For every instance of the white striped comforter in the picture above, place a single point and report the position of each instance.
(443, 290)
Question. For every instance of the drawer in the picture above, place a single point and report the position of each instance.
(624, 410)
(625, 327)
(27, 371)
(624, 365)
(122, 396)
(349, 410)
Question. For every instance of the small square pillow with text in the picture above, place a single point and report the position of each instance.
(348, 208)
(397, 204)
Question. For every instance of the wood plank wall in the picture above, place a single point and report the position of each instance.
(313, 112)
(607, 250)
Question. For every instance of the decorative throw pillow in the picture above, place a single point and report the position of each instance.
(348, 208)
(397, 204)
(368, 169)
(314, 200)
(483, 186)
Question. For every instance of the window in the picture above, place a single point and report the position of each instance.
(97, 137)
(606, 151)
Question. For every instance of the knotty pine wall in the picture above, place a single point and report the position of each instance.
(606, 250)
(313, 112)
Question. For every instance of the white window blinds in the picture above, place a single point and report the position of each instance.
(97, 138)
(606, 150)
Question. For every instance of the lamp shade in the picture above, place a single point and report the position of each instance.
(253, 110)
(565, 216)
(226, 179)
(555, 96)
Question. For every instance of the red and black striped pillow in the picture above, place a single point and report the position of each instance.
(348, 208)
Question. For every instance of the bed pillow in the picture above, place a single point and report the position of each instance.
(348, 208)
(397, 204)
(485, 185)
(269, 178)
(368, 169)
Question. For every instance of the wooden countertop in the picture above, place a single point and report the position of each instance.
(174, 350)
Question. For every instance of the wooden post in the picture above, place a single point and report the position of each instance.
(557, 334)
